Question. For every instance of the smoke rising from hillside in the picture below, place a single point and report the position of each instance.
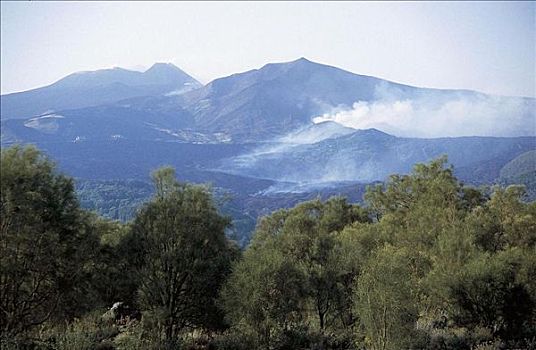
(428, 116)
(304, 159)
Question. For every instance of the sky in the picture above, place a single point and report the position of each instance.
(483, 46)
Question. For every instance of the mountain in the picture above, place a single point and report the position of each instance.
(96, 124)
(315, 132)
(262, 177)
(521, 170)
(93, 88)
(267, 104)
(270, 101)
(268, 113)
(269, 137)
(371, 155)
(523, 165)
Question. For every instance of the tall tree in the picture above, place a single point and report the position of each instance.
(291, 275)
(504, 221)
(265, 296)
(488, 292)
(385, 301)
(46, 243)
(182, 255)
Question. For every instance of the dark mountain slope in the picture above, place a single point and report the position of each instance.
(96, 124)
(268, 102)
(277, 98)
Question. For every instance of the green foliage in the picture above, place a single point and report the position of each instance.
(264, 295)
(431, 184)
(468, 252)
(504, 221)
(522, 171)
(429, 264)
(442, 266)
(488, 293)
(87, 333)
(385, 299)
(290, 279)
(46, 244)
(113, 278)
(180, 256)
(113, 199)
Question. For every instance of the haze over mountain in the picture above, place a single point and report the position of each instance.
(289, 116)
(297, 128)
(92, 88)
(258, 105)
(276, 98)
(371, 155)
(338, 175)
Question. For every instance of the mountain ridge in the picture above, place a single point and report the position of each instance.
(255, 134)
(257, 105)
(92, 88)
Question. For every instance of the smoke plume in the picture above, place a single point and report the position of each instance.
(428, 116)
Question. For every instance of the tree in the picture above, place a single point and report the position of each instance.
(504, 221)
(354, 246)
(463, 251)
(46, 243)
(265, 295)
(385, 301)
(290, 276)
(164, 181)
(309, 237)
(113, 279)
(181, 256)
(488, 293)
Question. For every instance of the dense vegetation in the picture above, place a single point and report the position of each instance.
(116, 200)
(427, 264)
(120, 200)
(521, 170)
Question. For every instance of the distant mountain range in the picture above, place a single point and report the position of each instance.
(85, 89)
(295, 127)
(164, 103)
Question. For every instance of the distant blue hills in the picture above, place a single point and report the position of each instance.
(94, 88)
(275, 104)
(259, 130)
(253, 106)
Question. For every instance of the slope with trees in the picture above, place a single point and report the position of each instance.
(426, 263)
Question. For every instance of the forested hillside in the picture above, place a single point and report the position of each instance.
(423, 263)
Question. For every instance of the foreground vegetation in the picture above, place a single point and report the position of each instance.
(427, 264)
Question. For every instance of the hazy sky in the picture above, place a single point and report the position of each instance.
(488, 47)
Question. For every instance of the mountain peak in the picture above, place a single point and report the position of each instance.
(301, 64)
(168, 73)
(162, 66)
(158, 74)
(303, 60)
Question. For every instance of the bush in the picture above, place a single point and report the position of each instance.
(90, 332)
(232, 340)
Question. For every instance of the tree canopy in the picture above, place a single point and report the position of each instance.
(424, 263)
(180, 255)
(46, 243)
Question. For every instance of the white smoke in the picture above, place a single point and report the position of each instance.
(185, 88)
(310, 134)
(399, 112)
(469, 115)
